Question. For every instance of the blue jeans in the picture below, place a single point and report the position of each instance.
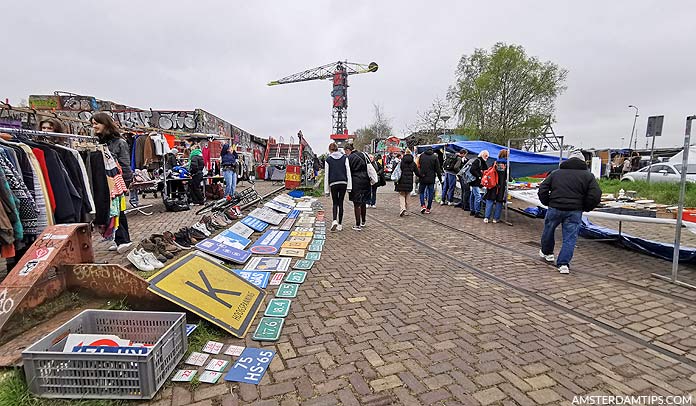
(373, 196)
(570, 221)
(475, 199)
(490, 204)
(448, 187)
(426, 191)
(230, 182)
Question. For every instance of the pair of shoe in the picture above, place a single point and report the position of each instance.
(159, 252)
(201, 228)
(163, 244)
(121, 248)
(402, 212)
(334, 225)
(357, 228)
(562, 269)
(195, 235)
(144, 261)
(176, 240)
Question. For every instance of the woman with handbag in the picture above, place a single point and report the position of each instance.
(361, 191)
(377, 163)
(407, 171)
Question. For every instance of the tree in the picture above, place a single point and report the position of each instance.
(505, 94)
(428, 125)
(379, 129)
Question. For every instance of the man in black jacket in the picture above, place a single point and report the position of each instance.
(477, 169)
(567, 192)
(429, 169)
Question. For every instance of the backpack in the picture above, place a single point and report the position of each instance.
(450, 163)
(465, 172)
(489, 180)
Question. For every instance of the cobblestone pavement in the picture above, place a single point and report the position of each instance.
(412, 312)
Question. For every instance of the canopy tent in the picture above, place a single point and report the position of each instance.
(522, 163)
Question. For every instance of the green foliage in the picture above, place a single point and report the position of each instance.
(661, 192)
(201, 335)
(14, 392)
(505, 93)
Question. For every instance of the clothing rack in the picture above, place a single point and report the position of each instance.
(21, 131)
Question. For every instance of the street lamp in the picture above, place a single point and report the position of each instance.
(444, 119)
(634, 129)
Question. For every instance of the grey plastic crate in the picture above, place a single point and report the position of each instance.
(54, 374)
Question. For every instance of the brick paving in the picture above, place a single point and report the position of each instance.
(411, 312)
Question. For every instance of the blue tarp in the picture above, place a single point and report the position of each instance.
(522, 163)
(655, 248)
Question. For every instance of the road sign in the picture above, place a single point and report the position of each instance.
(295, 244)
(293, 214)
(205, 287)
(254, 223)
(269, 329)
(304, 229)
(320, 236)
(257, 278)
(654, 128)
(287, 224)
(230, 238)
(240, 229)
(300, 239)
(223, 251)
(251, 365)
(315, 247)
(287, 290)
(277, 278)
(278, 207)
(270, 242)
(267, 215)
(278, 308)
(292, 252)
(296, 276)
(303, 264)
(268, 264)
(313, 256)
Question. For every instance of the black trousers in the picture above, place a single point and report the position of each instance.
(196, 189)
(338, 193)
(122, 236)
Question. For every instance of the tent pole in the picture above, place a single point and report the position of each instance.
(680, 210)
(507, 176)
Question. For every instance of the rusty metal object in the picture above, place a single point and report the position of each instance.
(34, 279)
(108, 281)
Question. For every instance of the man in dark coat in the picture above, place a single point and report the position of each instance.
(361, 188)
(567, 192)
(466, 191)
(429, 169)
(477, 168)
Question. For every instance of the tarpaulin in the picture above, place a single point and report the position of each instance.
(522, 163)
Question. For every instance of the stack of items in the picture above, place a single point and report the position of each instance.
(103, 344)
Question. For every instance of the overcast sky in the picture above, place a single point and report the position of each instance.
(219, 55)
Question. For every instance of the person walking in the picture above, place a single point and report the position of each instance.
(105, 129)
(477, 167)
(466, 192)
(196, 165)
(567, 192)
(337, 181)
(429, 169)
(228, 163)
(495, 196)
(452, 165)
(360, 184)
(381, 182)
(404, 185)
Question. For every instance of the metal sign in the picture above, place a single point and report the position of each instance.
(267, 215)
(300, 239)
(227, 237)
(270, 242)
(296, 276)
(251, 365)
(293, 214)
(302, 234)
(240, 229)
(315, 247)
(319, 236)
(313, 256)
(287, 224)
(654, 128)
(257, 278)
(226, 252)
(304, 229)
(292, 252)
(278, 207)
(254, 223)
(205, 287)
(303, 264)
(268, 264)
(287, 290)
(295, 244)
(269, 329)
(278, 308)
(277, 278)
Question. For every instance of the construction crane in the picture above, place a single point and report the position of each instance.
(338, 72)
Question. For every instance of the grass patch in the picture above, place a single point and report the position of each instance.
(201, 335)
(14, 392)
(661, 192)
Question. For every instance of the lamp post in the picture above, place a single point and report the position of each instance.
(633, 130)
(444, 119)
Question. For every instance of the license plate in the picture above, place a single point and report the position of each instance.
(313, 256)
(316, 247)
(296, 276)
(287, 290)
(278, 308)
(305, 264)
(318, 236)
(269, 329)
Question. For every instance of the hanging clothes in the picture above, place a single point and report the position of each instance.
(28, 212)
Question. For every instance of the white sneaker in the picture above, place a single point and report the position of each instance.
(442, 203)
(136, 259)
(123, 247)
(362, 225)
(334, 225)
(339, 227)
(485, 221)
(202, 228)
(564, 269)
(356, 228)
(151, 259)
(548, 258)
(113, 247)
(495, 221)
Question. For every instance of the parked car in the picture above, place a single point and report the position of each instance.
(662, 172)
